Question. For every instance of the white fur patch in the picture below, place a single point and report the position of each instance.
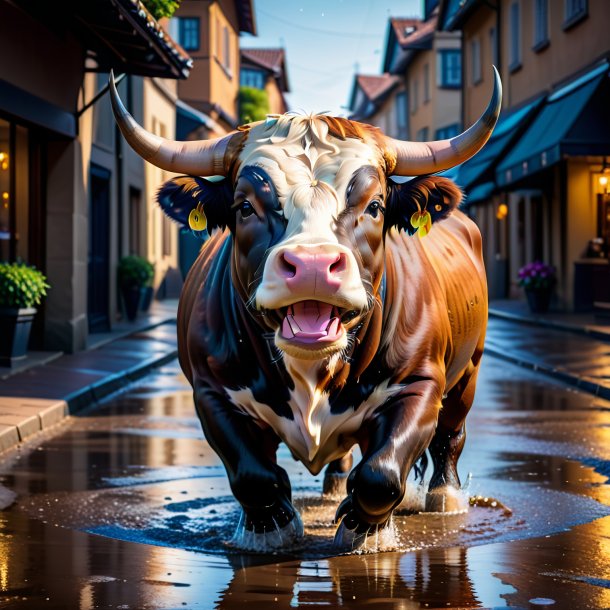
(313, 434)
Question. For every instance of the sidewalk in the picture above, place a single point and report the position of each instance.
(36, 397)
(574, 348)
(582, 323)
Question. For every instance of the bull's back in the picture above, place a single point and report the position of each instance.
(444, 279)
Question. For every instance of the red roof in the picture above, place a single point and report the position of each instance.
(272, 60)
(374, 86)
(410, 32)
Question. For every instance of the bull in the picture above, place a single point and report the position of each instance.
(315, 317)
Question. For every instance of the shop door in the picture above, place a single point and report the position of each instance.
(98, 289)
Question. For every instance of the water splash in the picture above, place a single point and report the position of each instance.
(287, 538)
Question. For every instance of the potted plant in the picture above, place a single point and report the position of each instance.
(134, 273)
(21, 287)
(147, 292)
(538, 280)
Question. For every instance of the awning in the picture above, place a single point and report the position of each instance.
(117, 34)
(480, 192)
(188, 119)
(573, 121)
(509, 127)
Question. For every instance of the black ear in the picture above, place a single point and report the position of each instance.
(408, 203)
(205, 200)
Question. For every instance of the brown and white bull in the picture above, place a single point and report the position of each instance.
(315, 317)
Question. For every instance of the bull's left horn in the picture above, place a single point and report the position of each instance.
(417, 158)
(197, 158)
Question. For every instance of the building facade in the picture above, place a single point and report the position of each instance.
(76, 195)
(265, 69)
(538, 189)
(418, 93)
(209, 31)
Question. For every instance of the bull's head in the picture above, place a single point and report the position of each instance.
(309, 203)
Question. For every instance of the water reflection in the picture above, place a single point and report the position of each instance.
(138, 463)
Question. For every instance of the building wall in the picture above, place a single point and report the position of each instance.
(421, 111)
(476, 94)
(441, 107)
(160, 242)
(277, 104)
(41, 62)
(50, 66)
(447, 102)
(210, 81)
(568, 50)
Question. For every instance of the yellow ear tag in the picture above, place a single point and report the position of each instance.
(422, 221)
(197, 220)
(425, 224)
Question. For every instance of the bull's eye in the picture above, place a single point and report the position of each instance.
(374, 208)
(246, 208)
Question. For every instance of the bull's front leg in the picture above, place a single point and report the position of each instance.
(394, 439)
(269, 520)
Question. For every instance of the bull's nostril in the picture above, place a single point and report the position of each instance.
(339, 265)
(287, 269)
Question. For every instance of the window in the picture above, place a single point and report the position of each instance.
(475, 60)
(541, 24)
(402, 115)
(515, 37)
(422, 134)
(218, 51)
(447, 132)
(450, 68)
(252, 78)
(575, 12)
(226, 46)
(188, 33)
(426, 83)
(414, 95)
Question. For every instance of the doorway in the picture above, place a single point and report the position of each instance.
(98, 276)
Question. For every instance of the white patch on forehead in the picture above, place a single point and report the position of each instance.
(297, 151)
(314, 434)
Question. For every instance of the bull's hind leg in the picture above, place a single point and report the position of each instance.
(335, 476)
(444, 493)
(269, 520)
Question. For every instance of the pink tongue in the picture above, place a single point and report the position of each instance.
(311, 321)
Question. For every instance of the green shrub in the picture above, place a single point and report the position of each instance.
(21, 286)
(253, 104)
(161, 8)
(135, 271)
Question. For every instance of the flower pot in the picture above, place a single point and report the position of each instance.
(147, 297)
(131, 301)
(15, 325)
(538, 299)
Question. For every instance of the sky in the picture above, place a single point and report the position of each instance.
(326, 42)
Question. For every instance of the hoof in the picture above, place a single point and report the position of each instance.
(268, 539)
(335, 485)
(373, 539)
(446, 500)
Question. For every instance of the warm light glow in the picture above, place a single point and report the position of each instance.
(502, 211)
(5, 195)
(603, 180)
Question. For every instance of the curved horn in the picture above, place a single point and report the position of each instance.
(198, 158)
(417, 158)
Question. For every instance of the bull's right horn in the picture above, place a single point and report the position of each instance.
(196, 158)
(418, 158)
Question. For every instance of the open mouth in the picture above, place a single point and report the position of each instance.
(312, 322)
